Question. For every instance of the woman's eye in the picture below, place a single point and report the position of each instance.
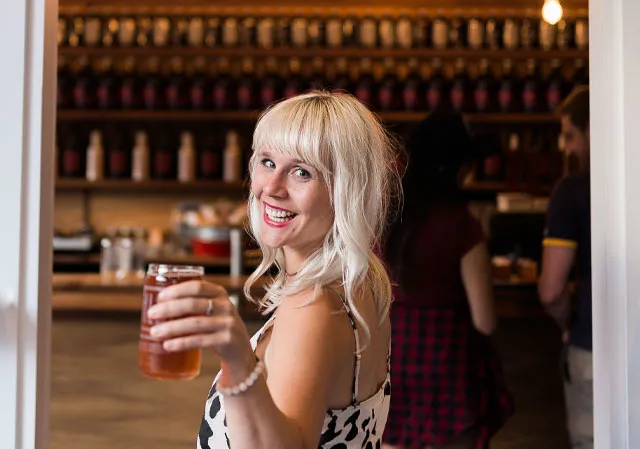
(268, 163)
(302, 173)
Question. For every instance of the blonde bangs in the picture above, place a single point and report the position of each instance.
(297, 129)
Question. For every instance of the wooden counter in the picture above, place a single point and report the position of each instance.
(90, 292)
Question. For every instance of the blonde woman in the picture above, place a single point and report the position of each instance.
(317, 373)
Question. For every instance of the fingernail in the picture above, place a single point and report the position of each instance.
(154, 331)
(169, 345)
(161, 295)
(152, 313)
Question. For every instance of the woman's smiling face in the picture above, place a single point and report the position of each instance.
(294, 202)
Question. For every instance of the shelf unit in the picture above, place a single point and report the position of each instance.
(169, 186)
(419, 53)
(191, 115)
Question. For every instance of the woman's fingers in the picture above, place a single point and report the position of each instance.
(196, 342)
(191, 289)
(191, 326)
(188, 306)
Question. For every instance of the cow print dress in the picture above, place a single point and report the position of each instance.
(360, 425)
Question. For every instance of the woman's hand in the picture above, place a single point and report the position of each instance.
(199, 314)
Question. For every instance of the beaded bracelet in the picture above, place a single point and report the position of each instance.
(245, 384)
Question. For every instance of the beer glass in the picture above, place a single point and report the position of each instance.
(153, 360)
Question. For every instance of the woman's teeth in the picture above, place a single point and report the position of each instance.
(279, 216)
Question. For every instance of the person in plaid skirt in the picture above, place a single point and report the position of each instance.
(448, 387)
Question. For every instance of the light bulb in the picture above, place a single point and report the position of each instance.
(552, 11)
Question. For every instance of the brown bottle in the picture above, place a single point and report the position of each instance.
(176, 88)
(555, 86)
(199, 87)
(508, 91)
(153, 86)
(365, 87)
(437, 86)
(108, 85)
(412, 87)
(460, 92)
(531, 88)
(71, 163)
(295, 83)
(342, 80)
(246, 89)
(272, 85)
(485, 89)
(221, 92)
(84, 88)
(130, 86)
(118, 157)
(64, 94)
(210, 166)
(389, 87)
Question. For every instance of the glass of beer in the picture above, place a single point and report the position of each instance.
(154, 361)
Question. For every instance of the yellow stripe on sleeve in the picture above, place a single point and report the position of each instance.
(560, 242)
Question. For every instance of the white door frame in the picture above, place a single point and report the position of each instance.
(27, 121)
(615, 218)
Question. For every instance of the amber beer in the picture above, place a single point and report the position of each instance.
(154, 361)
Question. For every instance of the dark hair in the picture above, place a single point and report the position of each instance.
(436, 151)
(576, 107)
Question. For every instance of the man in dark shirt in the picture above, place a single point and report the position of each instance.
(567, 249)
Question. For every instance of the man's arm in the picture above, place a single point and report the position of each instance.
(557, 261)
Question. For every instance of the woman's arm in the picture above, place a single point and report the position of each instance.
(308, 347)
(476, 277)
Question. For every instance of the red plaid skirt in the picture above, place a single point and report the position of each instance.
(445, 379)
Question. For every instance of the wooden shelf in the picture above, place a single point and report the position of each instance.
(420, 53)
(394, 117)
(236, 188)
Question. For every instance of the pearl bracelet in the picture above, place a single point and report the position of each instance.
(245, 384)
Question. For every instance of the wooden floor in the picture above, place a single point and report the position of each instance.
(100, 401)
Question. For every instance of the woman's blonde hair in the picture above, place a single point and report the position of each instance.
(346, 143)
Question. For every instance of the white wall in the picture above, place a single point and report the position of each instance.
(28, 52)
(615, 217)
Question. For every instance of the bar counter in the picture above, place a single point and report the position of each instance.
(91, 293)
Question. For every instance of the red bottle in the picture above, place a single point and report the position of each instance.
(485, 89)
(460, 92)
(437, 86)
(130, 86)
(531, 92)
(412, 88)
(508, 91)
(223, 86)
(153, 87)
(176, 87)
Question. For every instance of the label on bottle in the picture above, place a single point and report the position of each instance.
(529, 97)
(104, 94)
(209, 163)
(363, 93)
(173, 96)
(404, 33)
(70, 162)
(367, 33)
(80, 98)
(92, 31)
(127, 32)
(267, 94)
(220, 99)
(554, 96)
(439, 34)
(434, 97)
(386, 30)
(162, 164)
(491, 34)
(195, 32)
(196, 94)
(505, 97)
(410, 96)
(457, 96)
(334, 33)
(150, 94)
(385, 96)
(481, 97)
(245, 96)
(475, 34)
(117, 163)
(161, 28)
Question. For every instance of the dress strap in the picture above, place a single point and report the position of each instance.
(358, 355)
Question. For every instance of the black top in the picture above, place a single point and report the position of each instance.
(569, 225)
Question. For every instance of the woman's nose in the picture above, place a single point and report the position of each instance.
(276, 185)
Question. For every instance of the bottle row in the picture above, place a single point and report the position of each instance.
(532, 159)
(384, 85)
(323, 32)
(115, 157)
